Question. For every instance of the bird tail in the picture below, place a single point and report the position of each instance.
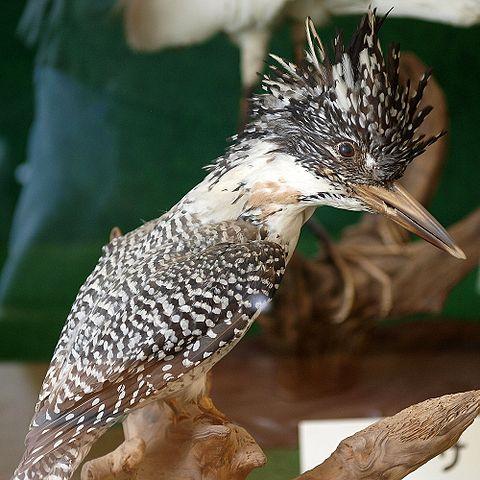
(57, 464)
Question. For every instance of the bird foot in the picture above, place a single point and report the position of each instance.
(179, 413)
(210, 412)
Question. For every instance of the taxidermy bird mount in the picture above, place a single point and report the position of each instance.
(168, 300)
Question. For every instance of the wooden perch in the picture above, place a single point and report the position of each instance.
(393, 447)
(374, 272)
(179, 440)
(191, 441)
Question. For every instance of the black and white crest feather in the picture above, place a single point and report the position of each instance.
(355, 95)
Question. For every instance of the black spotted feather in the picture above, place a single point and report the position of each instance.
(168, 300)
(184, 313)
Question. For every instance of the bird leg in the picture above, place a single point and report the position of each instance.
(206, 406)
(210, 411)
(179, 412)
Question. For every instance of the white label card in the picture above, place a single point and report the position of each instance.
(319, 438)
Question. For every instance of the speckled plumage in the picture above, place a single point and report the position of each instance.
(168, 300)
(354, 95)
(161, 300)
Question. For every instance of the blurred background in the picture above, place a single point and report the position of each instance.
(95, 135)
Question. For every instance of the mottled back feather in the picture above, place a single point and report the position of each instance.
(183, 302)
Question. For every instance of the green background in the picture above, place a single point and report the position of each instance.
(171, 113)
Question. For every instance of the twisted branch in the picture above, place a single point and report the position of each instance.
(184, 443)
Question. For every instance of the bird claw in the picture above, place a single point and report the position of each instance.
(210, 412)
(179, 414)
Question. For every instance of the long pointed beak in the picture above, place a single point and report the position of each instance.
(398, 205)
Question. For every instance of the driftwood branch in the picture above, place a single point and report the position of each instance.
(179, 440)
(396, 446)
(191, 441)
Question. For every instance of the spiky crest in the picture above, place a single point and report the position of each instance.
(354, 94)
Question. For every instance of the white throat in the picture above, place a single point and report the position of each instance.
(263, 188)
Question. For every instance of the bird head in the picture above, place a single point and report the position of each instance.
(351, 126)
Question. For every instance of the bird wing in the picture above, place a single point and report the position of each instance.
(116, 257)
(181, 314)
(118, 277)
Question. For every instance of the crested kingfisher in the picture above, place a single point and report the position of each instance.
(168, 300)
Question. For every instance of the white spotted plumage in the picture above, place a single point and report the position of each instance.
(168, 300)
(158, 320)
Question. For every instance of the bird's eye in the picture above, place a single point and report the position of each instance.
(346, 149)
